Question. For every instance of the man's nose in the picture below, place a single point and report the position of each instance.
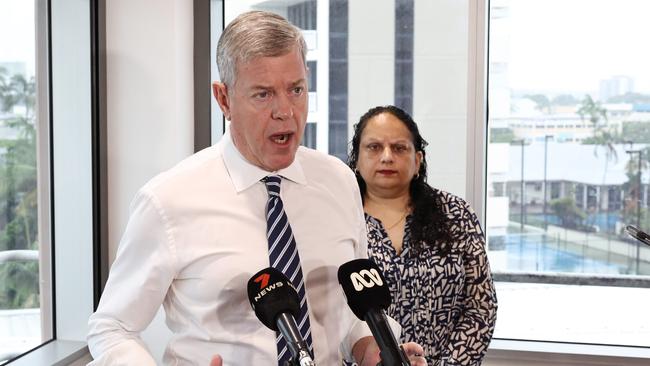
(282, 107)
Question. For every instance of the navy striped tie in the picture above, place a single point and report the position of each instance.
(283, 255)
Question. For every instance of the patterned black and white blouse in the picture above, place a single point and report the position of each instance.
(447, 304)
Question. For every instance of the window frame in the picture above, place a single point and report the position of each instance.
(63, 325)
(519, 351)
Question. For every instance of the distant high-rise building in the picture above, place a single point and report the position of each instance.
(616, 85)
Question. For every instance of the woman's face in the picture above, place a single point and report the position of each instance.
(387, 158)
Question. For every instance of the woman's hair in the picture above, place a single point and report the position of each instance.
(256, 34)
(429, 223)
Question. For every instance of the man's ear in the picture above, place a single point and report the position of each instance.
(220, 92)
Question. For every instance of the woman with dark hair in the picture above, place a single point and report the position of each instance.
(428, 242)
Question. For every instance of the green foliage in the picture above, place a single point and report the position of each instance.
(566, 209)
(564, 100)
(604, 137)
(632, 98)
(19, 285)
(543, 104)
(18, 191)
(636, 132)
(501, 134)
(633, 170)
(593, 110)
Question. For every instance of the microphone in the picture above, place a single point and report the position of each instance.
(638, 234)
(368, 296)
(276, 304)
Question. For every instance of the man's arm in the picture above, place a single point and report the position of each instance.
(137, 284)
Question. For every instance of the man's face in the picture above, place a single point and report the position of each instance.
(267, 108)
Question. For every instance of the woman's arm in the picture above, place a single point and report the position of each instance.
(473, 331)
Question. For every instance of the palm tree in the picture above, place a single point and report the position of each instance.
(18, 191)
(603, 136)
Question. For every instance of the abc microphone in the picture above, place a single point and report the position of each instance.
(368, 296)
(277, 305)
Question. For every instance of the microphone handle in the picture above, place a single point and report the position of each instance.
(390, 352)
(296, 345)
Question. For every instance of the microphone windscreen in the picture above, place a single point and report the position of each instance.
(364, 286)
(271, 293)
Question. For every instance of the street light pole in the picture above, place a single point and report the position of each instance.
(523, 188)
(545, 165)
(638, 201)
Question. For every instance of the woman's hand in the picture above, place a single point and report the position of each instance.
(216, 361)
(415, 353)
(366, 352)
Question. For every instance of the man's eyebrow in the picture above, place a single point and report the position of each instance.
(298, 82)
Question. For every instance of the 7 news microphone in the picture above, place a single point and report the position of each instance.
(368, 296)
(277, 305)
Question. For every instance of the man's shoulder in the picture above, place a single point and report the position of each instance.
(308, 157)
(191, 170)
(326, 171)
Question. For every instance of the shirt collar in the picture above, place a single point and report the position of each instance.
(243, 174)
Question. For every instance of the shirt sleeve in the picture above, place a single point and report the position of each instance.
(358, 329)
(471, 336)
(143, 270)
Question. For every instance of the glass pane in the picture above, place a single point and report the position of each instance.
(568, 159)
(357, 62)
(20, 313)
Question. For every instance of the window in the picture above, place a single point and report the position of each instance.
(24, 319)
(562, 252)
(49, 146)
(357, 62)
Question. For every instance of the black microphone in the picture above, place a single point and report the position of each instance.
(368, 296)
(277, 305)
(638, 234)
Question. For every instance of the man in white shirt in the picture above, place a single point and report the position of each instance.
(197, 232)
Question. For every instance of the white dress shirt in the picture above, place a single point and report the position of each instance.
(196, 235)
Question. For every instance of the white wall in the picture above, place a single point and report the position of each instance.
(149, 97)
(149, 46)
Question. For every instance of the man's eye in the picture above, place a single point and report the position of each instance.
(373, 147)
(262, 95)
(400, 148)
(298, 90)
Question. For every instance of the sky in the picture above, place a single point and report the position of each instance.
(553, 44)
(17, 33)
(573, 44)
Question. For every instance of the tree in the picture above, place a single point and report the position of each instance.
(632, 98)
(501, 134)
(18, 190)
(637, 132)
(543, 104)
(567, 211)
(633, 169)
(603, 137)
(564, 99)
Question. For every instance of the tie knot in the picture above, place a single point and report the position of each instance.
(272, 184)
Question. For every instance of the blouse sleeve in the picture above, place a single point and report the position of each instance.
(472, 334)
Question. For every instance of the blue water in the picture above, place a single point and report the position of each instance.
(606, 222)
(533, 253)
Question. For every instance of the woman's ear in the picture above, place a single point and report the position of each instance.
(418, 161)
